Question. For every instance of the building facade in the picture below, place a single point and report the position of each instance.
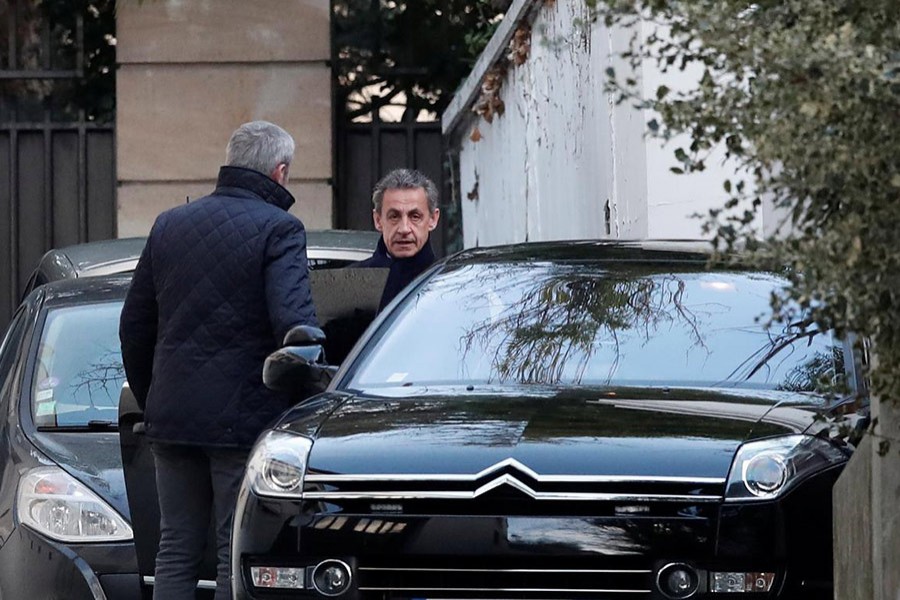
(189, 73)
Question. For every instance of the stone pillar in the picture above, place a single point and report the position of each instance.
(867, 514)
(886, 500)
(191, 71)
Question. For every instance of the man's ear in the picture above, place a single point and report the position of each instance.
(435, 217)
(280, 174)
(376, 217)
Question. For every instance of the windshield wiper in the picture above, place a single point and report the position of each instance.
(94, 425)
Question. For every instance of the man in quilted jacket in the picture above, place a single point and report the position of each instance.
(219, 283)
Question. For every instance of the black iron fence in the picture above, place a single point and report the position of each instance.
(57, 143)
(60, 189)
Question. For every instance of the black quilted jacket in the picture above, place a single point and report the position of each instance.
(218, 284)
(402, 270)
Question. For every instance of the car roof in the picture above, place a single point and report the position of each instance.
(590, 250)
(120, 255)
(103, 260)
(66, 292)
(102, 257)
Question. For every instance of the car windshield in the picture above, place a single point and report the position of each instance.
(600, 325)
(78, 373)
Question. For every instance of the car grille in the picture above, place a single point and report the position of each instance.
(450, 578)
(513, 489)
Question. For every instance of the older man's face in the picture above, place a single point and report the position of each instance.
(405, 221)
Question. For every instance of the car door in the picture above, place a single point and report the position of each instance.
(346, 301)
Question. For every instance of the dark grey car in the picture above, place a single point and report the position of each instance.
(65, 527)
(327, 248)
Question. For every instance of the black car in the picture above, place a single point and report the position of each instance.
(65, 527)
(65, 524)
(567, 420)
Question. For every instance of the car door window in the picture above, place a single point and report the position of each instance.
(346, 302)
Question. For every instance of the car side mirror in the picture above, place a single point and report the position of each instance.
(299, 370)
(304, 335)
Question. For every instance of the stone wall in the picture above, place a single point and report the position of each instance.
(867, 513)
(191, 71)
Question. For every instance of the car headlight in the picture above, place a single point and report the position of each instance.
(54, 503)
(277, 465)
(766, 469)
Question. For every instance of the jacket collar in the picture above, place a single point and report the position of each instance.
(381, 253)
(403, 271)
(238, 181)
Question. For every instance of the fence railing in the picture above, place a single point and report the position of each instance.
(59, 190)
(57, 163)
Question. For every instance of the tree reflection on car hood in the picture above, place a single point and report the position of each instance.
(613, 431)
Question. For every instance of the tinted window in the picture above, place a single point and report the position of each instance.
(596, 325)
(78, 372)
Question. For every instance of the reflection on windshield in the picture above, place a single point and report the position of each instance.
(598, 324)
(78, 374)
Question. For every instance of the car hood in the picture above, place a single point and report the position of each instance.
(627, 432)
(94, 458)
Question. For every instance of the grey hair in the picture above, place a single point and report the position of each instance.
(261, 146)
(405, 179)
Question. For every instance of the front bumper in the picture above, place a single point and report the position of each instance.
(32, 566)
(399, 552)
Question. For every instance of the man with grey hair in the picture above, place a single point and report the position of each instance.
(220, 282)
(405, 211)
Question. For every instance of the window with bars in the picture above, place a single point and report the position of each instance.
(57, 63)
(57, 143)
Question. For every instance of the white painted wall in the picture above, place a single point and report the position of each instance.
(545, 168)
(563, 151)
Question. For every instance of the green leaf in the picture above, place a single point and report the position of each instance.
(804, 94)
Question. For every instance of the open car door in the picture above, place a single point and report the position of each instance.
(346, 301)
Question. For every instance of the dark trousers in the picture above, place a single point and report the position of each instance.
(194, 484)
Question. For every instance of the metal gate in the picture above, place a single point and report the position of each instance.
(378, 124)
(57, 154)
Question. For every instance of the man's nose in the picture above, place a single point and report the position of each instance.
(405, 225)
